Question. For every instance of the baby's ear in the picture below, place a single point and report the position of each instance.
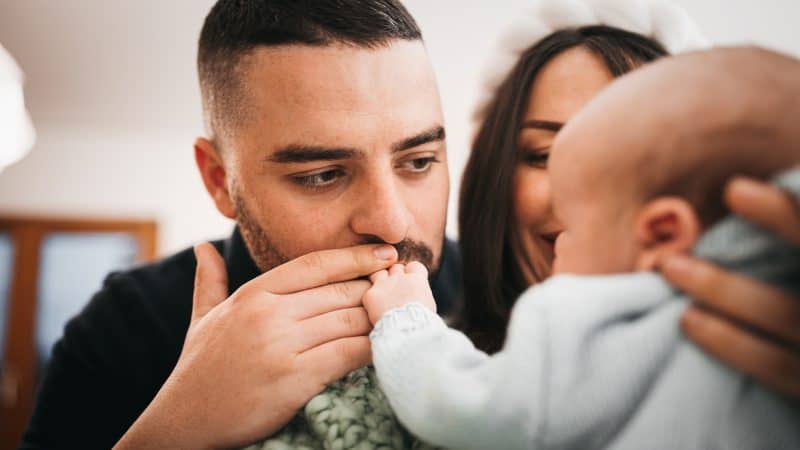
(665, 226)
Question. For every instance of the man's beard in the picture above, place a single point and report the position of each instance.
(267, 255)
(264, 253)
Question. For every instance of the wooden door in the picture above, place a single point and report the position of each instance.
(28, 237)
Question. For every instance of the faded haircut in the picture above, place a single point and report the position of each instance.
(234, 28)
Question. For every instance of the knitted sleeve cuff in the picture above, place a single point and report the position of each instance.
(405, 321)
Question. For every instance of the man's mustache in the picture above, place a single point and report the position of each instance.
(410, 250)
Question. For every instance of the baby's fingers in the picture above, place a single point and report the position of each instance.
(397, 269)
(416, 267)
(379, 275)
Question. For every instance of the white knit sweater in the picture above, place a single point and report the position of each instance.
(590, 362)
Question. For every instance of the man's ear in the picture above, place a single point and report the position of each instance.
(212, 170)
(665, 226)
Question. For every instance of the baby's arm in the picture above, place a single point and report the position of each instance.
(442, 389)
(579, 357)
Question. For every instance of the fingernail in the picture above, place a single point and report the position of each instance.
(746, 187)
(385, 252)
(678, 264)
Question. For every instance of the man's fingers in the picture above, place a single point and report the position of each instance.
(769, 363)
(736, 296)
(325, 267)
(327, 298)
(210, 280)
(333, 360)
(766, 206)
(332, 326)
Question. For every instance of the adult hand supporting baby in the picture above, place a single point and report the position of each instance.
(252, 359)
(734, 305)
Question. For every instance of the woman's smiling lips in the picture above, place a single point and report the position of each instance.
(550, 239)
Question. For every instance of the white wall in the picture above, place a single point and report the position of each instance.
(112, 89)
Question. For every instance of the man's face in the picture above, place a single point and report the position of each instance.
(340, 146)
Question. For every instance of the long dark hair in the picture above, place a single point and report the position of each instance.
(493, 278)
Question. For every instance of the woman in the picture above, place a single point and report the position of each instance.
(507, 228)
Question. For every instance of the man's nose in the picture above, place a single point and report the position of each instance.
(382, 212)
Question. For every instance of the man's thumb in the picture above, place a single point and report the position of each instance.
(210, 281)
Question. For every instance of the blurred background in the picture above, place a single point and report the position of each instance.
(112, 90)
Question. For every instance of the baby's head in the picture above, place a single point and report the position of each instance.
(640, 172)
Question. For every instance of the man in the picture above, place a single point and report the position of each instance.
(325, 132)
(314, 144)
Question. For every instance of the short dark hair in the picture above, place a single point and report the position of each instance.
(490, 246)
(234, 28)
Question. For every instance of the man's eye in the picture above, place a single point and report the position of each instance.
(419, 165)
(320, 179)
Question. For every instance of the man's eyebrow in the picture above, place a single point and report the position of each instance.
(433, 135)
(303, 153)
(543, 125)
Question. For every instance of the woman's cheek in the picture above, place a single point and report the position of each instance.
(531, 197)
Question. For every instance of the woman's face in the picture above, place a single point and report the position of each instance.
(560, 89)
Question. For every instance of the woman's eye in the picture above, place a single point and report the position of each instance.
(536, 158)
(320, 179)
(419, 165)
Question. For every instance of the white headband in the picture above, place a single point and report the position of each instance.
(660, 20)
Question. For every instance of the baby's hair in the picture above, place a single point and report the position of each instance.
(683, 147)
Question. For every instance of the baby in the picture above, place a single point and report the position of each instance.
(594, 357)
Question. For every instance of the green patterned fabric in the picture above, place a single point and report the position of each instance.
(351, 414)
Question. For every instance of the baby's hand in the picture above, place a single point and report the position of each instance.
(397, 287)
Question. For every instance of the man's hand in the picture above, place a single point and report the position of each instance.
(251, 360)
(735, 305)
(396, 287)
